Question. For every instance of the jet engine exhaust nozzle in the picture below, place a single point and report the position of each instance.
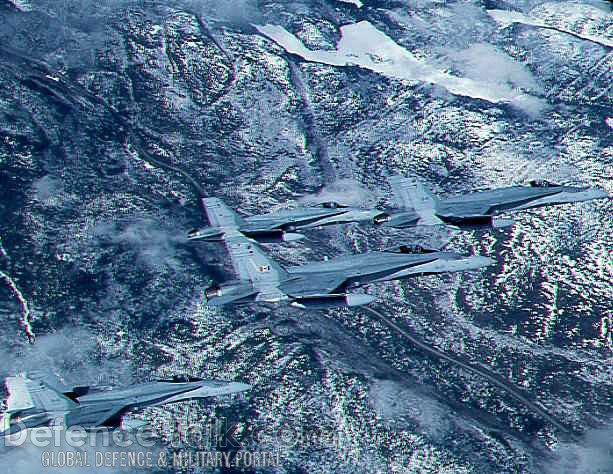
(208, 234)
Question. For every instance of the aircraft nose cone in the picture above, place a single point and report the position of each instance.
(479, 262)
(601, 194)
(587, 194)
(236, 387)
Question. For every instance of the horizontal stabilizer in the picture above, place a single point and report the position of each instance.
(208, 234)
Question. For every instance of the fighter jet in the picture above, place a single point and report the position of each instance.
(281, 226)
(320, 284)
(34, 402)
(476, 209)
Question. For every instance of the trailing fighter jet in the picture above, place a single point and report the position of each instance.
(476, 209)
(34, 403)
(281, 226)
(320, 284)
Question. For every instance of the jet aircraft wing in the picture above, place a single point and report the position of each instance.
(110, 417)
(251, 263)
(400, 190)
(219, 214)
(97, 414)
(248, 259)
(313, 283)
(466, 209)
(410, 194)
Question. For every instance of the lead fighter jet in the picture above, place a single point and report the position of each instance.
(320, 284)
(34, 403)
(475, 209)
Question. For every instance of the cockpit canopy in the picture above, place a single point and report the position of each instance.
(541, 183)
(181, 378)
(331, 205)
(414, 249)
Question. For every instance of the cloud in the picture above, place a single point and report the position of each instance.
(46, 188)
(69, 356)
(592, 455)
(343, 191)
(154, 245)
(532, 106)
(485, 63)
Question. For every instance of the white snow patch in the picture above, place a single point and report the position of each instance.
(155, 29)
(357, 3)
(25, 319)
(609, 121)
(506, 18)
(22, 5)
(364, 45)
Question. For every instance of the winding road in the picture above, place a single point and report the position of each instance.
(486, 374)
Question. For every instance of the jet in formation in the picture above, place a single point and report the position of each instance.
(415, 206)
(320, 284)
(35, 403)
(281, 226)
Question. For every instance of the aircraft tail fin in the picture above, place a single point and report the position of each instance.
(32, 392)
(410, 193)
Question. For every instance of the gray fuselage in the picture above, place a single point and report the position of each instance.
(356, 270)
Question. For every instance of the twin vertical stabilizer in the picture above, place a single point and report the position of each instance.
(409, 193)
